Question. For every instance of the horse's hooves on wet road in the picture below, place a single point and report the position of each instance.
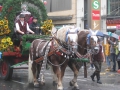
(70, 83)
(42, 83)
(36, 85)
(54, 83)
(76, 88)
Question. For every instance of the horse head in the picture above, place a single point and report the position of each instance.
(71, 38)
(93, 41)
(88, 41)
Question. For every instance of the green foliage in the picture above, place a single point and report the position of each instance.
(11, 7)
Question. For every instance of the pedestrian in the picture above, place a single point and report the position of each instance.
(34, 26)
(112, 42)
(97, 60)
(118, 56)
(107, 54)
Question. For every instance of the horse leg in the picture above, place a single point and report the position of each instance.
(40, 77)
(54, 77)
(73, 82)
(57, 71)
(30, 74)
(34, 70)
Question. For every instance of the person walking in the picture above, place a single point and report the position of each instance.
(97, 60)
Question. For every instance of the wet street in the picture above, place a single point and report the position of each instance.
(110, 80)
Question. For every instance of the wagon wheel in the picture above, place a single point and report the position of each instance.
(6, 71)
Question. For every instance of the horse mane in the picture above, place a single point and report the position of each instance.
(61, 34)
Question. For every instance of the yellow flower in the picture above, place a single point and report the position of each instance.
(1, 22)
(8, 39)
(50, 21)
(4, 46)
(11, 43)
(3, 40)
(6, 27)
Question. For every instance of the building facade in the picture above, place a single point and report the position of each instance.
(62, 12)
(113, 15)
(67, 12)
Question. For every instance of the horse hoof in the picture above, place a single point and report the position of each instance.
(70, 83)
(76, 88)
(36, 85)
(60, 89)
(42, 83)
(54, 83)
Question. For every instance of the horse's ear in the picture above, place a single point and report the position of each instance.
(90, 31)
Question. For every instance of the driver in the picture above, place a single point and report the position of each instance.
(22, 27)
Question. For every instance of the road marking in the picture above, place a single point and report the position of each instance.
(18, 82)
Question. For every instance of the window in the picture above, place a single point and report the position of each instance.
(113, 7)
(58, 5)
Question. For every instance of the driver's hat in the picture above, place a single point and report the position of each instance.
(22, 16)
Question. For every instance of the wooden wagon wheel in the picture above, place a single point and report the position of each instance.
(6, 70)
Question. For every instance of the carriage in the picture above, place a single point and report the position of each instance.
(11, 54)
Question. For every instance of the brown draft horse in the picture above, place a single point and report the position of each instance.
(83, 49)
(57, 61)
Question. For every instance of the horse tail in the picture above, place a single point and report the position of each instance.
(30, 74)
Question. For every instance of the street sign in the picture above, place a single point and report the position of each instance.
(96, 4)
(95, 15)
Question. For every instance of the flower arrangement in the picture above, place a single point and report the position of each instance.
(47, 27)
(4, 29)
(5, 43)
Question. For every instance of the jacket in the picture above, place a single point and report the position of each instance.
(34, 29)
(107, 49)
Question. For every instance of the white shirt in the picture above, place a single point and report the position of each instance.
(18, 27)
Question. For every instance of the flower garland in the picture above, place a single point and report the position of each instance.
(5, 43)
(47, 27)
(11, 7)
(4, 29)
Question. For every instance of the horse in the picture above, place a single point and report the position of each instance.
(55, 52)
(87, 44)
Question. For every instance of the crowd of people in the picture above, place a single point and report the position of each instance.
(112, 53)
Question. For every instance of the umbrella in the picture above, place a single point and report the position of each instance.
(115, 35)
(109, 34)
(97, 33)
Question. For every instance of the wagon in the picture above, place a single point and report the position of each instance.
(12, 55)
(18, 56)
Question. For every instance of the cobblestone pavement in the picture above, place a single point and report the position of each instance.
(110, 80)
